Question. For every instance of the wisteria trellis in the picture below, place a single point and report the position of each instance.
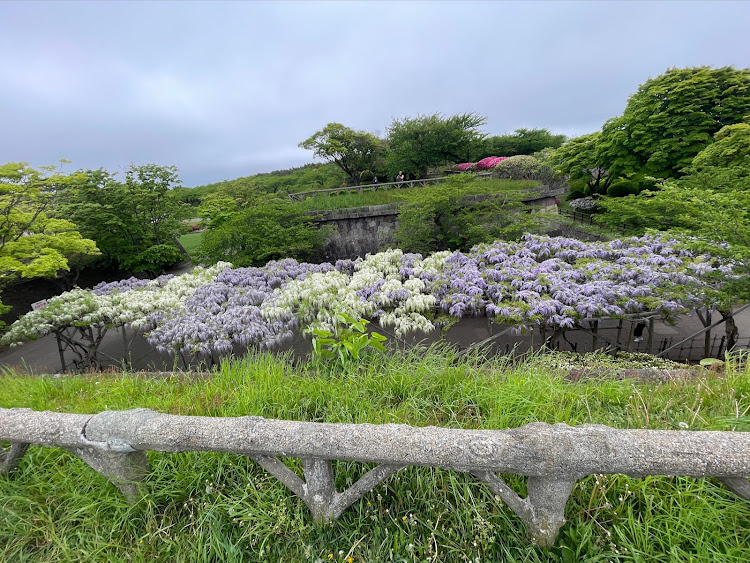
(549, 281)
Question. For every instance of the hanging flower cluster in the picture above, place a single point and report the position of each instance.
(227, 312)
(375, 289)
(556, 281)
(130, 302)
(550, 281)
(583, 203)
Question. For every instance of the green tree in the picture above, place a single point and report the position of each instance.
(578, 160)
(497, 145)
(136, 222)
(34, 242)
(417, 144)
(711, 210)
(521, 141)
(445, 217)
(731, 147)
(266, 227)
(352, 151)
(671, 118)
(193, 196)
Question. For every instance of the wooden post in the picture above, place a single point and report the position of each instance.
(630, 336)
(651, 335)
(62, 352)
(595, 332)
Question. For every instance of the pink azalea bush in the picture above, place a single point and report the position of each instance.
(464, 166)
(490, 162)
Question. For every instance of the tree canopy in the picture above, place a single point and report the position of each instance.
(731, 148)
(34, 242)
(521, 141)
(445, 217)
(417, 144)
(134, 222)
(352, 151)
(262, 227)
(578, 160)
(671, 118)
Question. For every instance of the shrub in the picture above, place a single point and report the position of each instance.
(577, 187)
(268, 228)
(464, 166)
(347, 345)
(520, 167)
(622, 188)
(490, 162)
(440, 218)
(575, 194)
(583, 204)
(366, 176)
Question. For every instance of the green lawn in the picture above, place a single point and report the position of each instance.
(224, 507)
(191, 242)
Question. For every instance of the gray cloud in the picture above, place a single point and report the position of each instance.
(224, 89)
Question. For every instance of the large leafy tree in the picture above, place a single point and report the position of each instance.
(521, 141)
(352, 151)
(135, 222)
(263, 227)
(578, 160)
(447, 217)
(671, 118)
(417, 144)
(34, 241)
(711, 207)
(731, 148)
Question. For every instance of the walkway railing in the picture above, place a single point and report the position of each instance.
(299, 196)
(580, 216)
(552, 456)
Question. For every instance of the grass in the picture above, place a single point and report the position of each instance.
(190, 242)
(224, 507)
(381, 197)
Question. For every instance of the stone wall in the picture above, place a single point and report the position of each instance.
(362, 230)
(358, 230)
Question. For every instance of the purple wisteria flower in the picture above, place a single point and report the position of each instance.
(121, 286)
(227, 312)
(558, 281)
(540, 280)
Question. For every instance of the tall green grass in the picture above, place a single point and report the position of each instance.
(223, 507)
(381, 197)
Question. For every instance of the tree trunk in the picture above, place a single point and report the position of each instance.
(181, 248)
(731, 328)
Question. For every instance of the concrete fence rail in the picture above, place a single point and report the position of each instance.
(553, 457)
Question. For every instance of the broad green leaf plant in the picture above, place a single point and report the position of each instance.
(348, 343)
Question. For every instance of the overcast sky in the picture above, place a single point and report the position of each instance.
(228, 89)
